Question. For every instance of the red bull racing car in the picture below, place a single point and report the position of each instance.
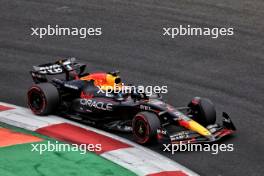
(65, 89)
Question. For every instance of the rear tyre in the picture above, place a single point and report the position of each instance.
(145, 126)
(203, 111)
(43, 98)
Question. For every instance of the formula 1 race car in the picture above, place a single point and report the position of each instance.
(65, 89)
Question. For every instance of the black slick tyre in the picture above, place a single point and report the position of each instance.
(43, 98)
(203, 111)
(144, 126)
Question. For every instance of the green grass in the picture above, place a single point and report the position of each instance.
(19, 160)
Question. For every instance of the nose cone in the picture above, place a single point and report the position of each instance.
(194, 126)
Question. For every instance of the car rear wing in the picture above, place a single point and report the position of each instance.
(64, 66)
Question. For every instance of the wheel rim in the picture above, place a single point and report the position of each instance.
(36, 100)
(141, 129)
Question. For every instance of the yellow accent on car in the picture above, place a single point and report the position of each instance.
(194, 126)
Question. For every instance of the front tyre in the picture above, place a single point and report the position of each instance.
(202, 111)
(43, 98)
(145, 126)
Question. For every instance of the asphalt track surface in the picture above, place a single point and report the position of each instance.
(228, 70)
